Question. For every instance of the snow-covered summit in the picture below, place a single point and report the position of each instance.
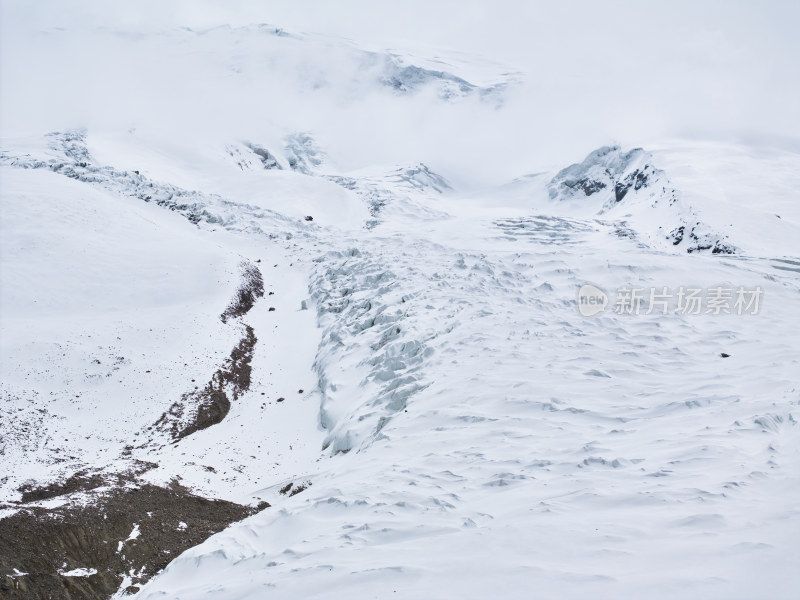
(614, 181)
(608, 172)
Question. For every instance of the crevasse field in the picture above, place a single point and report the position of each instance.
(334, 265)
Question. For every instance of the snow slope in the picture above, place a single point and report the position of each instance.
(426, 410)
(112, 312)
(501, 443)
(476, 428)
(102, 298)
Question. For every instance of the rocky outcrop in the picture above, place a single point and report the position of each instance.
(613, 179)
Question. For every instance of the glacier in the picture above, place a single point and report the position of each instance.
(299, 316)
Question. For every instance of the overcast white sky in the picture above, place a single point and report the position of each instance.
(627, 71)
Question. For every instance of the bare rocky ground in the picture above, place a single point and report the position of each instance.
(200, 409)
(114, 531)
(120, 537)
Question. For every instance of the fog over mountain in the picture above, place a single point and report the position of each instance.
(411, 300)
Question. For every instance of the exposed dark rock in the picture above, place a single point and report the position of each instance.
(607, 167)
(721, 247)
(706, 241)
(212, 408)
(293, 490)
(620, 189)
(637, 179)
(588, 186)
(300, 488)
(251, 288)
(45, 543)
(201, 409)
(611, 175)
(78, 482)
(677, 235)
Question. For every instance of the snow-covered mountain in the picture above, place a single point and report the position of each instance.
(278, 322)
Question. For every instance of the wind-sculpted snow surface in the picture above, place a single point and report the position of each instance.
(286, 278)
(485, 438)
(478, 435)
